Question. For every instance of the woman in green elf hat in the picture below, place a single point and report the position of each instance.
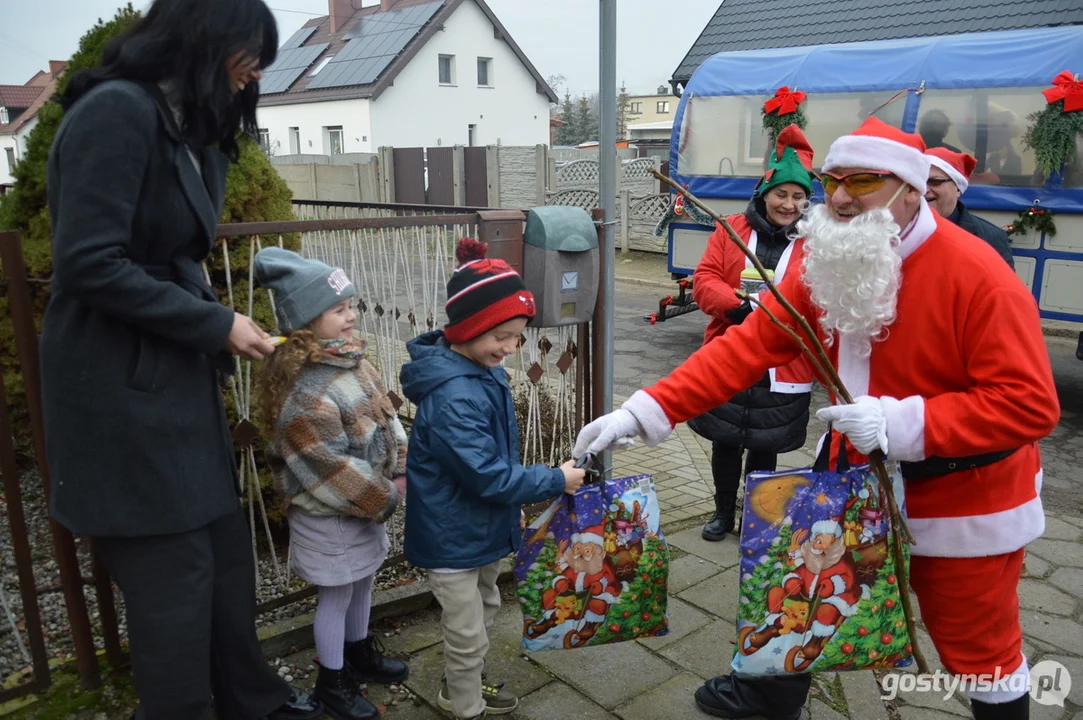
(770, 417)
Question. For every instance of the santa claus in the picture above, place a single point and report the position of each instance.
(940, 343)
(824, 573)
(587, 574)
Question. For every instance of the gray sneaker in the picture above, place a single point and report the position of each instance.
(498, 701)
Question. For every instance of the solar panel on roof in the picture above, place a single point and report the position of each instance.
(298, 38)
(376, 40)
(288, 66)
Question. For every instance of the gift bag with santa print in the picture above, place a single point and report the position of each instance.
(594, 567)
(819, 590)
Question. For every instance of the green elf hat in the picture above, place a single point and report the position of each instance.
(790, 163)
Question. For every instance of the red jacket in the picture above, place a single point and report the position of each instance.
(714, 281)
(718, 274)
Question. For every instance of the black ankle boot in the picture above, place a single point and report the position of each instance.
(722, 522)
(1018, 709)
(736, 696)
(338, 692)
(366, 659)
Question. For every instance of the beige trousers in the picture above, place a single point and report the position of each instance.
(469, 600)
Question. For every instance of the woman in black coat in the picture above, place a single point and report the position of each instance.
(133, 342)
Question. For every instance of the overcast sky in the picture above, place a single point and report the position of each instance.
(559, 36)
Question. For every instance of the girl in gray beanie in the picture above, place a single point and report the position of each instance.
(338, 451)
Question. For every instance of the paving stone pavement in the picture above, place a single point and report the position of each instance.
(656, 677)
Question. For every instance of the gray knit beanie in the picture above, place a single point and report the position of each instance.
(303, 289)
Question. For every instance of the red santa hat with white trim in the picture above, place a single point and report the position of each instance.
(593, 535)
(957, 165)
(879, 146)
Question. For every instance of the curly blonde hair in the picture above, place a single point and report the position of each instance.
(280, 372)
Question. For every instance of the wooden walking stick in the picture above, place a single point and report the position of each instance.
(817, 355)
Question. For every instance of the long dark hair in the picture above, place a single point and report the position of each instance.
(188, 42)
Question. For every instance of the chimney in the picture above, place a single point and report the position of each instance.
(339, 11)
(56, 67)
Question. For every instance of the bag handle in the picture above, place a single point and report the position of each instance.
(823, 458)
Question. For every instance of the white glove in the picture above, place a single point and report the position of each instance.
(863, 423)
(615, 431)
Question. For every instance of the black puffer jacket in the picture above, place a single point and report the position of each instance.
(758, 419)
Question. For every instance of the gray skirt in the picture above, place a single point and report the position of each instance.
(334, 550)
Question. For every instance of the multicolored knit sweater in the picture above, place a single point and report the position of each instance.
(338, 441)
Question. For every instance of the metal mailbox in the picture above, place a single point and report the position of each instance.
(560, 264)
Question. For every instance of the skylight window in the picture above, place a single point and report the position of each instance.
(321, 66)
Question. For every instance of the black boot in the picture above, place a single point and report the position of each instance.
(738, 696)
(726, 474)
(722, 522)
(338, 692)
(366, 659)
(1018, 709)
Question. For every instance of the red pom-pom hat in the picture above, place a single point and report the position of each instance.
(482, 294)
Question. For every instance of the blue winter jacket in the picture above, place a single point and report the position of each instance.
(464, 482)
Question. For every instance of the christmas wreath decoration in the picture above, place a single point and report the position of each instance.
(781, 110)
(1053, 130)
(1033, 218)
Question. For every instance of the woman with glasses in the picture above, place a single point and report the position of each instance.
(134, 340)
(770, 417)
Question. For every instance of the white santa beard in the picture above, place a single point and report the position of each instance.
(853, 272)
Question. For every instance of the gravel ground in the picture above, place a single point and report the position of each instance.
(53, 613)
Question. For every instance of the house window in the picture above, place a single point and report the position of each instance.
(635, 108)
(663, 106)
(484, 72)
(321, 66)
(295, 141)
(334, 141)
(11, 159)
(265, 139)
(4, 115)
(471, 135)
(447, 69)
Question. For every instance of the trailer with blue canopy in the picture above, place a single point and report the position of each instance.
(971, 92)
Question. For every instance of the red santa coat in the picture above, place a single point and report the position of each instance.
(963, 371)
(717, 276)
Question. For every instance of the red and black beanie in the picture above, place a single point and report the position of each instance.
(482, 293)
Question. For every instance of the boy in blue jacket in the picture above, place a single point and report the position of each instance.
(464, 481)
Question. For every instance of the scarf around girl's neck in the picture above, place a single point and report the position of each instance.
(343, 348)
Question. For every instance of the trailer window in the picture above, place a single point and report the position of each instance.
(989, 124)
(723, 136)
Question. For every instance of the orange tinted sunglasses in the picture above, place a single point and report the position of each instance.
(856, 184)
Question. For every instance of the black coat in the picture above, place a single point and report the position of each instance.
(756, 418)
(985, 230)
(133, 338)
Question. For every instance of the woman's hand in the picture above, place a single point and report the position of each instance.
(400, 484)
(247, 339)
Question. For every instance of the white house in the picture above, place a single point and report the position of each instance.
(19, 105)
(404, 73)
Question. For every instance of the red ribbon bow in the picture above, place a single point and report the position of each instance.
(1068, 88)
(784, 101)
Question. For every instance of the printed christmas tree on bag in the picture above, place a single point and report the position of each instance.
(877, 632)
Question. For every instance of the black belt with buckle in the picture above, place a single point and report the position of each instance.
(936, 466)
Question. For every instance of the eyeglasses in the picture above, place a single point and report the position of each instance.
(937, 182)
(857, 184)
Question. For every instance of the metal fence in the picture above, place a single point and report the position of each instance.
(399, 258)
